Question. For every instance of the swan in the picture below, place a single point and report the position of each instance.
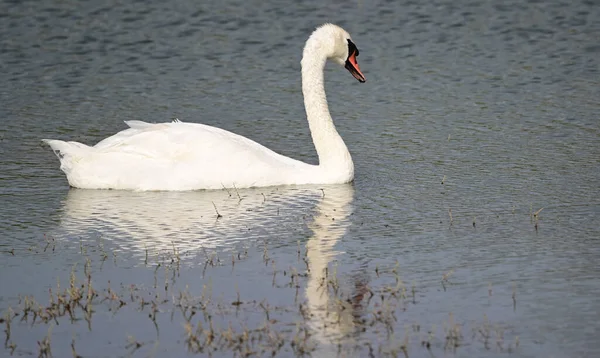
(181, 156)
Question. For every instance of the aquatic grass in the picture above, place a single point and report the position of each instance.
(7, 320)
(214, 326)
(535, 218)
(238, 194)
(216, 210)
(514, 297)
(45, 345)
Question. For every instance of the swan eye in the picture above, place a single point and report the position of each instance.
(352, 49)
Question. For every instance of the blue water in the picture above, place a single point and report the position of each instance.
(475, 115)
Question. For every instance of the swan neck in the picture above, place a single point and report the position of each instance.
(331, 149)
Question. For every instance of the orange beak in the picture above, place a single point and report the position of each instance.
(352, 66)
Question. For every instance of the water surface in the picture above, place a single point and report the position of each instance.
(475, 115)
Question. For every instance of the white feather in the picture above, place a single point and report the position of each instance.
(189, 156)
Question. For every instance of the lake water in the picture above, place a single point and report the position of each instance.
(471, 228)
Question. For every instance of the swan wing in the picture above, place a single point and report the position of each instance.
(179, 156)
(191, 141)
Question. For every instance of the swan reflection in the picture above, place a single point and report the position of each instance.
(331, 318)
(188, 220)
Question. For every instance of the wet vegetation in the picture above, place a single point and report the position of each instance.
(324, 316)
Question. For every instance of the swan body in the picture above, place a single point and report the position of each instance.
(191, 156)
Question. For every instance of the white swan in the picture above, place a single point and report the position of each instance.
(189, 156)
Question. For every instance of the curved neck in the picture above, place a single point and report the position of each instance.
(331, 149)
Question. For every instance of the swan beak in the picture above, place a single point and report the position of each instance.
(352, 66)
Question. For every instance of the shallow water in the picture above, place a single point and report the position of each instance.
(474, 116)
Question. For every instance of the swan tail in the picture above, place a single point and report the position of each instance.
(67, 152)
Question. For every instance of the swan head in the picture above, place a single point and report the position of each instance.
(337, 45)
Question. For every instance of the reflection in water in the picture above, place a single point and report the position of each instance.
(188, 220)
(501, 100)
(157, 220)
(330, 317)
